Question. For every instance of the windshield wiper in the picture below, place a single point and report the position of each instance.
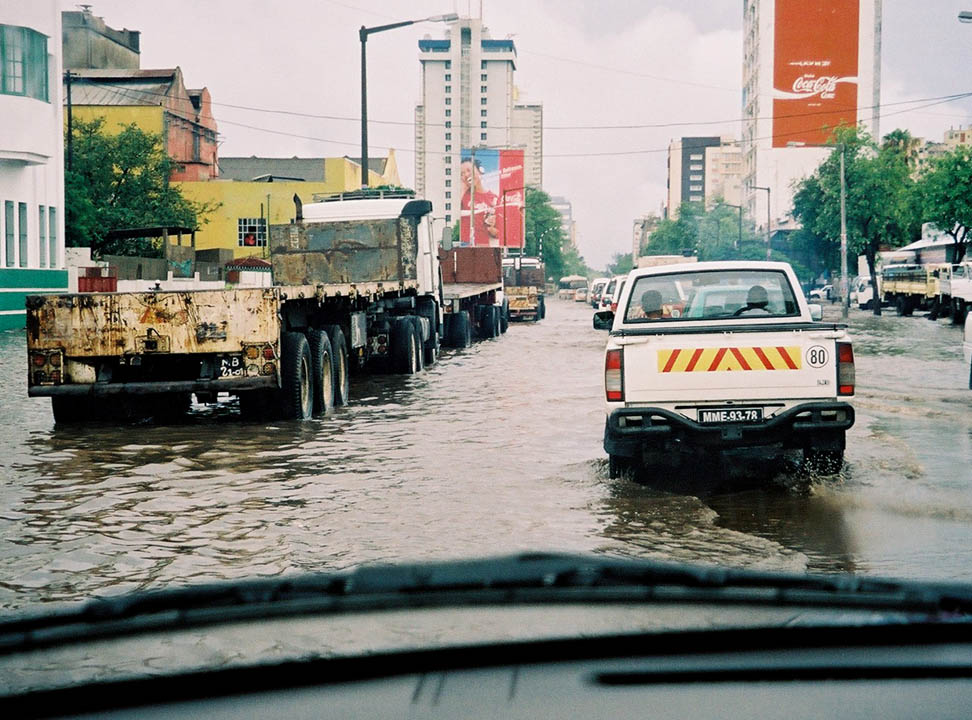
(532, 578)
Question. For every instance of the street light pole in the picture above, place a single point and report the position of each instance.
(363, 34)
(757, 187)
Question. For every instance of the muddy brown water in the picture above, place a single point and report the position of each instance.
(495, 449)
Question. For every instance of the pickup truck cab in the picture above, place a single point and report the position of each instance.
(723, 355)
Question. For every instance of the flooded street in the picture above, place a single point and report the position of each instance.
(494, 449)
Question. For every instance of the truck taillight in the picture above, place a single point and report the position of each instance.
(845, 369)
(614, 376)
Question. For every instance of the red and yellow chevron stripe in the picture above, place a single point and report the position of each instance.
(723, 359)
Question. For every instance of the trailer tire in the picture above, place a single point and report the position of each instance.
(69, 410)
(296, 394)
(901, 306)
(255, 405)
(404, 344)
(460, 330)
(960, 312)
(541, 308)
(419, 343)
(340, 365)
(322, 370)
(488, 322)
(171, 407)
(505, 317)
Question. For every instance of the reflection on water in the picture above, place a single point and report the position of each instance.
(495, 449)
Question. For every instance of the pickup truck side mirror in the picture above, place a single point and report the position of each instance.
(816, 312)
(603, 320)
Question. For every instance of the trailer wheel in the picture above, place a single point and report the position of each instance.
(296, 394)
(960, 312)
(541, 308)
(419, 343)
(322, 368)
(339, 357)
(460, 330)
(254, 404)
(69, 410)
(171, 407)
(900, 306)
(404, 349)
(489, 322)
(505, 316)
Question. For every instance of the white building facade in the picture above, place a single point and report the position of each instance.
(467, 102)
(808, 66)
(528, 134)
(31, 156)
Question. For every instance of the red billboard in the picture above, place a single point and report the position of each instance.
(493, 198)
(815, 69)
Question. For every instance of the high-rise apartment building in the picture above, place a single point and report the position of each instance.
(468, 103)
(686, 171)
(808, 67)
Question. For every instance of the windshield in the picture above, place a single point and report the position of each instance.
(713, 294)
(205, 379)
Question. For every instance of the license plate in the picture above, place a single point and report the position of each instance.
(730, 415)
(230, 366)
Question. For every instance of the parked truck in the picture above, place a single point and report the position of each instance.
(955, 291)
(473, 294)
(524, 287)
(357, 283)
(910, 287)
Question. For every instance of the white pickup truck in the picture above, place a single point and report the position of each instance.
(723, 355)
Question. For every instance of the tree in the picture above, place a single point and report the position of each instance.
(121, 181)
(880, 193)
(945, 192)
(620, 264)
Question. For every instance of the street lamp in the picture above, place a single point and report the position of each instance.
(363, 34)
(965, 16)
(757, 187)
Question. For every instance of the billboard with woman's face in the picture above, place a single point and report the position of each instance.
(493, 199)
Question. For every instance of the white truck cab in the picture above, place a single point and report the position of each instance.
(724, 355)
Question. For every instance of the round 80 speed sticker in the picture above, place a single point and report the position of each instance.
(817, 356)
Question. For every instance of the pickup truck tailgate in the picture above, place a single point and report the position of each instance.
(114, 324)
(730, 366)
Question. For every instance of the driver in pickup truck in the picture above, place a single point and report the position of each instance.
(756, 301)
(651, 304)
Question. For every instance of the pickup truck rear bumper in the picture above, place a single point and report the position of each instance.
(628, 431)
(154, 388)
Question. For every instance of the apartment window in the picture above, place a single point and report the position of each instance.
(8, 225)
(448, 194)
(695, 178)
(448, 171)
(482, 124)
(42, 237)
(448, 183)
(448, 123)
(23, 62)
(448, 64)
(22, 219)
(52, 236)
(449, 136)
(482, 88)
(695, 167)
(251, 232)
(695, 198)
(448, 112)
(448, 88)
(695, 156)
(482, 101)
(482, 64)
(448, 148)
(448, 101)
(482, 136)
(448, 159)
(448, 218)
(448, 206)
(448, 78)
(483, 77)
(482, 113)
(695, 188)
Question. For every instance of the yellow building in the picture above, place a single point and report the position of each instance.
(252, 193)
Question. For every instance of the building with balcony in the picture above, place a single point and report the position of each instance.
(31, 157)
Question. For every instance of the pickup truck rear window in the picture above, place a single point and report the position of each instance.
(711, 295)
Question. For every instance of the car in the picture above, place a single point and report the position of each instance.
(580, 295)
(822, 293)
(597, 289)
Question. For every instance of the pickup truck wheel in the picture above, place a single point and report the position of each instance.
(322, 368)
(404, 347)
(900, 306)
(68, 410)
(341, 369)
(823, 462)
(618, 465)
(296, 396)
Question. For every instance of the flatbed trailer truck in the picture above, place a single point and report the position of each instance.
(472, 292)
(357, 284)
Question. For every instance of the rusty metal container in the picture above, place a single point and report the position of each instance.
(471, 265)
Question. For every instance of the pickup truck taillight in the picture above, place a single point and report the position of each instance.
(845, 369)
(613, 376)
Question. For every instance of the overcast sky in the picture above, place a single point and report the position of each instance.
(672, 64)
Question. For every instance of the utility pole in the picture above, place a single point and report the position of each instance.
(70, 123)
(768, 214)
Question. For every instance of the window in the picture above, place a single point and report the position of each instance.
(448, 136)
(448, 194)
(448, 159)
(52, 237)
(695, 167)
(448, 218)
(22, 219)
(482, 136)
(483, 77)
(482, 124)
(448, 148)
(23, 62)
(695, 188)
(448, 78)
(448, 171)
(448, 101)
(448, 64)
(482, 113)
(482, 64)
(695, 156)
(482, 88)
(448, 88)
(8, 224)
(482, 101)
(695, 178)
(251, 232)
(448, 112)
(42, 237)
(448, 183)
(695, 198)
(448, 206)
(448, 123)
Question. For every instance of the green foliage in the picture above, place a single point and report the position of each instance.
(620, 264)
(543, 223)
(945, 196)
(117, 182)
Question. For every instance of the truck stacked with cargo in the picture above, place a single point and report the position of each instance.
(523, 288)
(357, 284)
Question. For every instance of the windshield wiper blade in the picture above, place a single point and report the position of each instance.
(519, 579)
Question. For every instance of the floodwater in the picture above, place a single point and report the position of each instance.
(495, 449)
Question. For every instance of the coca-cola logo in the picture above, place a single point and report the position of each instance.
(809, 85)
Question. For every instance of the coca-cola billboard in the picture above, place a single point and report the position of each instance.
(815, 73)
